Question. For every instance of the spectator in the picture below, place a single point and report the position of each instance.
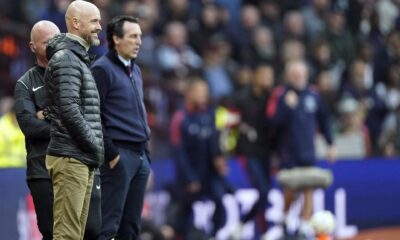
(262, 49)
(372, 99)
(327, 91)
(174, 55)
(232, 8)
(200, 167)
(241, 35)
(294, 27)
(321, 59)
(353, 139)
(270, 16)
(339, 38)
(243, 77)
(209, 25)
(291, 50)
(314, 17)
(216, 70)
(370, 29)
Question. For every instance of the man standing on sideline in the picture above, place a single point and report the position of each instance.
(255, 142)
(127, 165)
(29, 104)
(296, 110)
(30, 97)
(200, 166)
(76, 139)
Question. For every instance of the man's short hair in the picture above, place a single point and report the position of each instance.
(115, 27)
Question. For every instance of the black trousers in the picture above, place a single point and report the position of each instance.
(123, 189)
(93, 223)
(42, 195)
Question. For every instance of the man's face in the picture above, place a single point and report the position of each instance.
(39, 42)
(128, 46)
(198, 94)
(176, 35)
(90, 26)
(264, 77)
(297, 76)
(357, 74)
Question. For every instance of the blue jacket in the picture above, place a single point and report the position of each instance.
(123, 113)
(194, 140)
(298, 126)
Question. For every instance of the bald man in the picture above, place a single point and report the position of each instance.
(76, 139)
(29, 104)
(297, 110)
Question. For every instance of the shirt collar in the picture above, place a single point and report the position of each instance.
(127, 63)
(82, 41)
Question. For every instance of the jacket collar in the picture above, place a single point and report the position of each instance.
(61, 41)
(124, 61)
(79, 39)
(113, 56)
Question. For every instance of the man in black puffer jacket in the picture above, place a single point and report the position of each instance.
(30, 97)
(76, 140)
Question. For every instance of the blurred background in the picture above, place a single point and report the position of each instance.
(352, 49)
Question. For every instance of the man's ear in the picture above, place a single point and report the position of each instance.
(116, 39)
(32, 47)
(75, 23)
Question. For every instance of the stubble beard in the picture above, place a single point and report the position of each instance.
(93, 41)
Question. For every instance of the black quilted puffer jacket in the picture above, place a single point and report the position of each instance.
(74, 103)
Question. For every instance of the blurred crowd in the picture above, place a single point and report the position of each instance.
(351, 47)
